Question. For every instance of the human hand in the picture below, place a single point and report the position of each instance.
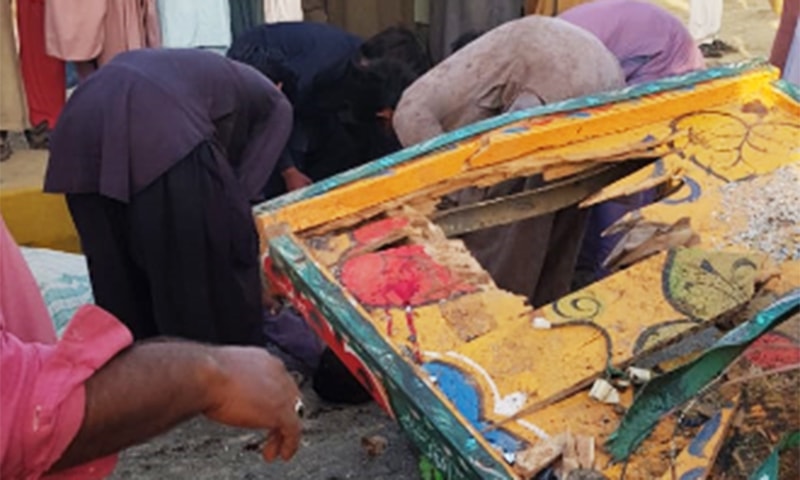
(253, 390)
(295, 179)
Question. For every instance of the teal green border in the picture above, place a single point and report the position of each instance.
(424, 417)
(383, 166)
(789, 89)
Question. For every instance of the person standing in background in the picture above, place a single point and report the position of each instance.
(91, 32)
(705, 22)
(245, 14)
(550, 7)
(184, 25)
(786, 47)
(13, 111)
(44, 75)
(283, 11)
(449, 19)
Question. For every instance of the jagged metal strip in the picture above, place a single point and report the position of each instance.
(664, 393)
(384, 165)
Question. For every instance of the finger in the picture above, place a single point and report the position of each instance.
(290, 434)
(272, 447)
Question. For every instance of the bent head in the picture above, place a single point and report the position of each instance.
(396, 43)
(270, 63)
(378, 87)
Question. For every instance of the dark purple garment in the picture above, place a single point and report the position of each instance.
(144, 111)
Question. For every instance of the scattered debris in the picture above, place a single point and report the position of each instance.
(666, 392)
(639, 376)
(578, 454)
(643, 238)
(374, 445)
(621, 383)
(697, 459)
(535, 459)
(603, 391)
(585, 474)
(565, 453)
(769, 208)
(541, 323)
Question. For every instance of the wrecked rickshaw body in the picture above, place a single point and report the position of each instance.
(488, 386)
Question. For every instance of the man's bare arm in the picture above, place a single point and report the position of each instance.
(150, 388)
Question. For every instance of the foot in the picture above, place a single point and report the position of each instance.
(38, 137)
(5, 147)
(724, 47)
(709, 51)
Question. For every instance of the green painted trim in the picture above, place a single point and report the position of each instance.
(770, 469)
(384, 166)
(790, 89)
(427, 420)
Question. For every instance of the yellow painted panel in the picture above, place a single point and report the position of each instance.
(352, 198)
(609, 120)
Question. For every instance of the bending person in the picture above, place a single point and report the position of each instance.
(650, 43)
(328, 75)
(786, 47)
(160, 154)
(523, 63)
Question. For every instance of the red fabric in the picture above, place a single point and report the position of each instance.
(44, 76)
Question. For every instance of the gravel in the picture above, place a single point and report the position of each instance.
(770, 210)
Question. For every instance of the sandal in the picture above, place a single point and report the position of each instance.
(724, 47)
(709, 51)
(5, 147)
(38, 137)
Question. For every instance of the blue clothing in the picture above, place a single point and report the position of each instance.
(305, 48)
(318, 55)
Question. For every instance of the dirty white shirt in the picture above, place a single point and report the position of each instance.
(526, 62)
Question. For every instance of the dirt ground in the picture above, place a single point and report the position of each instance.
(200, 450)
(331, 450)
(331, 447)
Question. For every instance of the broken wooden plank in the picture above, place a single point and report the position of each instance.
(697, 459)
(423, 309)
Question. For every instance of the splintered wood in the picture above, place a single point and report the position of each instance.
(518, 379)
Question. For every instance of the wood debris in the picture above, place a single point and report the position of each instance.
(374, 445)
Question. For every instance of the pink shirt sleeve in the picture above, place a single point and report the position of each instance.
(42, 394)
(22, 309)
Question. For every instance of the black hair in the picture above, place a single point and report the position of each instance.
(379, 85)
(269, 62)
(463, 40)
(397, 43)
